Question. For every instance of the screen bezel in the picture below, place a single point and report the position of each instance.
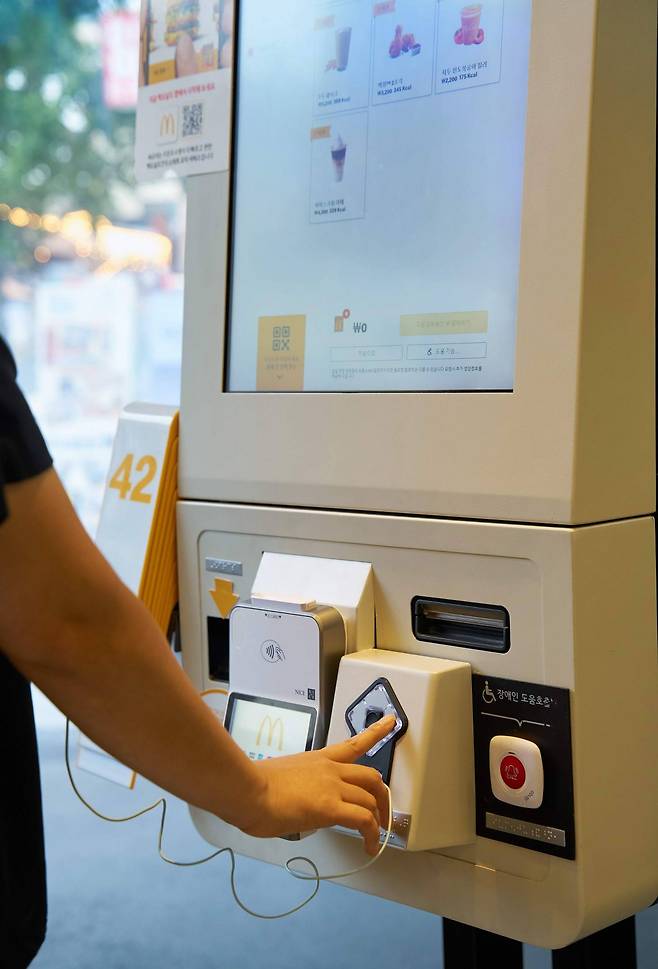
(280, 704)
(235, 98)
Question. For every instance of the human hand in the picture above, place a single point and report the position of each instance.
(321, 788)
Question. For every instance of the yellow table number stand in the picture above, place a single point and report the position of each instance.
(137, 532)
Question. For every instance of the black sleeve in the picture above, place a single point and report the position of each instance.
(23, 906)
(23, 452)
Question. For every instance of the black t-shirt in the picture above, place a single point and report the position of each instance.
(23, 454)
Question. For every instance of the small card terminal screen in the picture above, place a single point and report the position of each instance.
(378, 177)
(268, 728)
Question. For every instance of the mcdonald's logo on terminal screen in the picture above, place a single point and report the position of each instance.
(270, 728)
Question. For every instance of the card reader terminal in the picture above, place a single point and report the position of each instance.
(378, 701)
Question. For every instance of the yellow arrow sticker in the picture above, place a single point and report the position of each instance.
(224, 597)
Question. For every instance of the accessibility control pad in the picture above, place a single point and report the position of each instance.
(375, 703)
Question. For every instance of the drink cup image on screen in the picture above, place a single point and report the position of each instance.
(470, 31)
(343, 38)
(338, 152)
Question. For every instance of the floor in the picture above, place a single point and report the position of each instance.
(115, 905)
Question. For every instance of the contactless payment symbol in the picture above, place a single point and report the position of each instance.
(272, 652)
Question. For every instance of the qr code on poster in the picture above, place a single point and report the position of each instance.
(192, 119)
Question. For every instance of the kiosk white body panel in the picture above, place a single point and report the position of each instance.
(535, 499)
(599, 645)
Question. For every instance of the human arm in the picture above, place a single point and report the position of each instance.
(70, 625)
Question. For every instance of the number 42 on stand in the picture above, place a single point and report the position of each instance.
(137, 532)
(137, 529)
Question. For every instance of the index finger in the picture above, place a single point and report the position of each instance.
(350, 750)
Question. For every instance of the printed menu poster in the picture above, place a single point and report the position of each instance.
(184, 96)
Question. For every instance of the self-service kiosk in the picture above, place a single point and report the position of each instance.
(417, 466)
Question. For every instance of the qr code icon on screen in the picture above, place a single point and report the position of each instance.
(281, 339)
(192, 119)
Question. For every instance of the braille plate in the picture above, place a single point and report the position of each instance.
(399, 832)
(526, 829)
(223, 566)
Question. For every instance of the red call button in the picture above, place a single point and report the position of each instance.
(512, 772)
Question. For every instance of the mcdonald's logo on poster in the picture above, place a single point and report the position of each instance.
(271, 728)
(168, 127)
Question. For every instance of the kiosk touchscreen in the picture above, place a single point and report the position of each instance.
(376, 226)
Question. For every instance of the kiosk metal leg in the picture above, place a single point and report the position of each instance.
(614, 946)
(468, 948)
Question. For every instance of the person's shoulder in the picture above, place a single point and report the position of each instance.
(23, 451)
(8, 385)
(7, 362)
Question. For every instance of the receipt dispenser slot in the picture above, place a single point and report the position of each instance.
(455, 623)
